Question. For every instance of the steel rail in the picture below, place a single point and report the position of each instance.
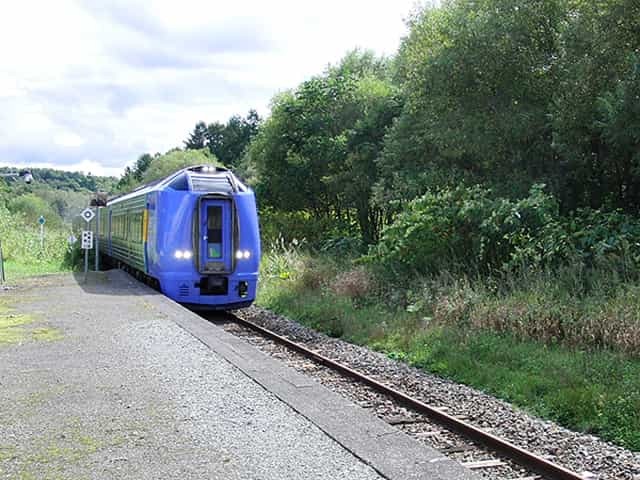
(521, 456)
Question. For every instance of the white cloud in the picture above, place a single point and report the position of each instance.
(92, 85)
(69, 139)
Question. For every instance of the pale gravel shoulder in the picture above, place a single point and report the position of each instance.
(577, 451)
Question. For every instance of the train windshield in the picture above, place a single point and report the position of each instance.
(214, 232)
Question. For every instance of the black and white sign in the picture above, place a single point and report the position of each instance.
(87, 214)
(87, 239)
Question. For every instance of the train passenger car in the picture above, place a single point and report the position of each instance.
(194, 234)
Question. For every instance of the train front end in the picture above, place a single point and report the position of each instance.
(208, 240)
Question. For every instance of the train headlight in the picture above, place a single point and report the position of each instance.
(179, 254)
(240, 254)
(187, 254)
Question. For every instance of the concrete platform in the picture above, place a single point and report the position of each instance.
(111, 380)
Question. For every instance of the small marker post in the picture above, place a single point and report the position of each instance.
(87, 239)
(87, 244)
(41, 221)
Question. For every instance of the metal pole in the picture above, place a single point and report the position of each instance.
(42, 236)
(86, 263)
(97, 238)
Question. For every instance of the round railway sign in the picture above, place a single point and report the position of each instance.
(87, 214)
(41, 220)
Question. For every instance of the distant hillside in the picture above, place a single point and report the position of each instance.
(71, 181)
(57, 195)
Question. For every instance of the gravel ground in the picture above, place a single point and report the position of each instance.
(579, 452)
(122, 392)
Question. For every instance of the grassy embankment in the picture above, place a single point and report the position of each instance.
(22, 251)
(563, 346)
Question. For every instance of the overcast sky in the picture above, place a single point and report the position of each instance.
(89, 87)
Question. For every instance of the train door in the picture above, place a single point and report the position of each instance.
(215, 248)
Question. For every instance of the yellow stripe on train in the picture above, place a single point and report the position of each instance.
(145, 224)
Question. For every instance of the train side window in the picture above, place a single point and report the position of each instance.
(180, 183)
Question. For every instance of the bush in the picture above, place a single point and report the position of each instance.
(32, 207)
(467, 230)
(462, 229)
(21, 245)
(317, 231)
(355, 284)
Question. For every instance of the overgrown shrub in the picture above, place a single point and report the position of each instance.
(21, 244)
(465, 229)
(300, 226)
(468, 230)
(355, 284)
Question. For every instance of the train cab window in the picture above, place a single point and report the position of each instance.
(214, 232)
(180, 183)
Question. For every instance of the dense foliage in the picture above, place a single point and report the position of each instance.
(470, 230)
(317, 151)
(148, 168)
(510, 93)
(22, 250)
(226, 141)
(505, 94)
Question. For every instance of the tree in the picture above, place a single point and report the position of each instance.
(215, 139)
(176, 159)
(595, 130)
(317, 151)
(198, 138)
(227, 142)
(478, 79)
(141, 166)
(32, 207)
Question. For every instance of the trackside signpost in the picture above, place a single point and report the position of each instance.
(87, 240)
(87, 244)
(41, 221)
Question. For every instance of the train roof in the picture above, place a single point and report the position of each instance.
(199, 178)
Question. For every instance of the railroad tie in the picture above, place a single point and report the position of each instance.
(483, 464)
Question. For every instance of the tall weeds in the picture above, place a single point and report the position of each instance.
(22, 249)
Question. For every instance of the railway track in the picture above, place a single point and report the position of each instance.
(476, 448)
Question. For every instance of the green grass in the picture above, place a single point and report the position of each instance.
(18, 328)
(12, 325)
(15, 270)
(586, 388)
(23, 252)
(595, 392)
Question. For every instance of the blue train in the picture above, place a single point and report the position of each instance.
(194, 235)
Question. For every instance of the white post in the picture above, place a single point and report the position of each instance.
(42, 236)
(86, 264)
